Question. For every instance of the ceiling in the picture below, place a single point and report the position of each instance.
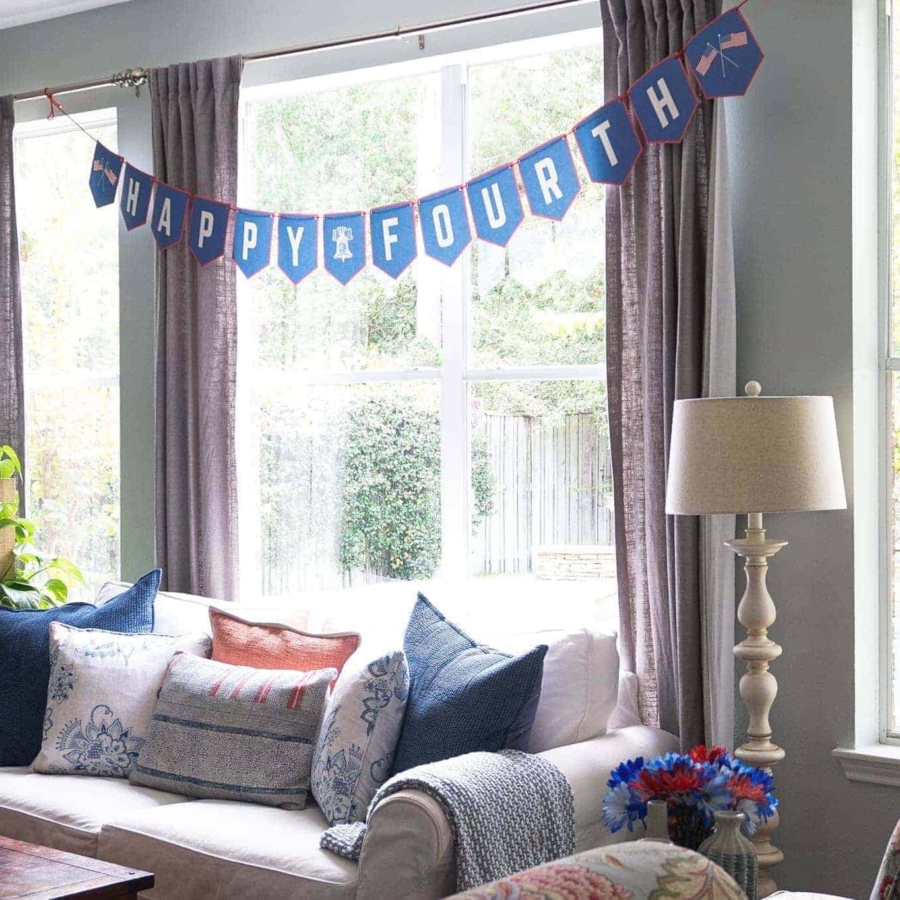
(20, 12)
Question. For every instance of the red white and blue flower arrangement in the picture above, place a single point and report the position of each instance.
(694, 785)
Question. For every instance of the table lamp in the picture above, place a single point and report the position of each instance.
(755, 455)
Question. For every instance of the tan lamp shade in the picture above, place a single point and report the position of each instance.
(754, 454)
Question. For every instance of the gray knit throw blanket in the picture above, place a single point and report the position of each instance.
(508, 811)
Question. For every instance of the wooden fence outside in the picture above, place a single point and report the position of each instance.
(554, 486)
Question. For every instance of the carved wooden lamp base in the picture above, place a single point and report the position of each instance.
(772, 454)
(756, 613)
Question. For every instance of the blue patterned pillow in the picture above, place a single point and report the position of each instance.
(463, 696)
(25, 639)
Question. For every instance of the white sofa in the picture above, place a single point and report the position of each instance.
(224, 850)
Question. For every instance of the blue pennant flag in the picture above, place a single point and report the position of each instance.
(344, 243)
(137, 186)
(664, 102)
(608, 143)
(206, 234)
(393, 233)
(252, 241)
(105, 171)
(167, 221)
(496, 205)
(551, 182)
(297, 246)
(445, 225)
(550, 179)
(725, 55)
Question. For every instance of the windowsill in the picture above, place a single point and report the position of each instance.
(875, 764)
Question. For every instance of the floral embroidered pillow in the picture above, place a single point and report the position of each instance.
(355, 748)
(103, 688)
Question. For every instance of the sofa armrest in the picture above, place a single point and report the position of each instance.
(587, 766)
(408, 850)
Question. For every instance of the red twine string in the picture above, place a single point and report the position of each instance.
(54, 105)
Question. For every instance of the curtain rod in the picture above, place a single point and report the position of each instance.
(136, 77)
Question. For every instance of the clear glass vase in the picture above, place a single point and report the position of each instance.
(728, 848)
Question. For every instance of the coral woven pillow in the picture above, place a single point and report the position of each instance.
(263, 645)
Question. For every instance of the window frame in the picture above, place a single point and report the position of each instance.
(456, 371)
(888, 365)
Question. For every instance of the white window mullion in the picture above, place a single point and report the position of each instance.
(454, 392)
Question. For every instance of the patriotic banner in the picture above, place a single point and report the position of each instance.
(551, 182)
(169, 211)
(252, 241)
(721, 60)
(206, 234)
(105, 170)
(496, 206)
(344, 239)
(725, 56)
(445, 225)
(393, 230)
(664, 102)
(135, 202)
(298, 246)
(608, 143)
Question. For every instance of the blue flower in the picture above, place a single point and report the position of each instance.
(621, 807)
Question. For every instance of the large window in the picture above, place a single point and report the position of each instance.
(70, 295)
(452, 423)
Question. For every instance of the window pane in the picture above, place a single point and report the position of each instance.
(542, 492)
(895, 187)
(70, 294)
(894, 559)
(540, 300)
(349, 483)
(343, 150)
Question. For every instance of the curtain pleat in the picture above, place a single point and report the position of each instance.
(195, 147)
(670, 335)
(12, 396)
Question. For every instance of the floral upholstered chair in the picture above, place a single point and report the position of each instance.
(643, 870)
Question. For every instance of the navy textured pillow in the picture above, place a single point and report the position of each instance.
(463, 696)
(25, 652)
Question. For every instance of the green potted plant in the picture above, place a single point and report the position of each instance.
(29, 579)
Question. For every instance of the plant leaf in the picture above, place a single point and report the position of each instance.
(12, 456)
(57, 589)
(66, 567)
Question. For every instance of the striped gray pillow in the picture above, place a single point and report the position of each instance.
(234, 733)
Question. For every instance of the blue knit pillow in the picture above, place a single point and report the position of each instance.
(463, 696)
(25, 643)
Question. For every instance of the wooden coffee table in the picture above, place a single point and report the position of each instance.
(39, 873)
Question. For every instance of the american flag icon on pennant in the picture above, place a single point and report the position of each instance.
(737, 39)
(100, 167)
(707, 60)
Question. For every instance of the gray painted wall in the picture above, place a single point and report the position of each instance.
(790, 145)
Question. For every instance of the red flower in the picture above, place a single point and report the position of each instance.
(701, 753)
(661, 785)
(742, 788)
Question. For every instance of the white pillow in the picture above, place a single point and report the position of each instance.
(102, 691)
(175, 613)
(358, 738)
(579, 688)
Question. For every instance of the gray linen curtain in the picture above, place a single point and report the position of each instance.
(12, 397)
(195, 144)
(670, 335)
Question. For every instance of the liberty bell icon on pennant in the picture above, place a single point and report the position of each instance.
(342, 235)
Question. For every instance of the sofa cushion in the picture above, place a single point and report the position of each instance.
(67, 812)
(234, 733)
(26, 659)
(176, 613)
(463, 696)
(579, 686)
(231, 851)
(357, 742)
(103, 688)
(270, 645)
